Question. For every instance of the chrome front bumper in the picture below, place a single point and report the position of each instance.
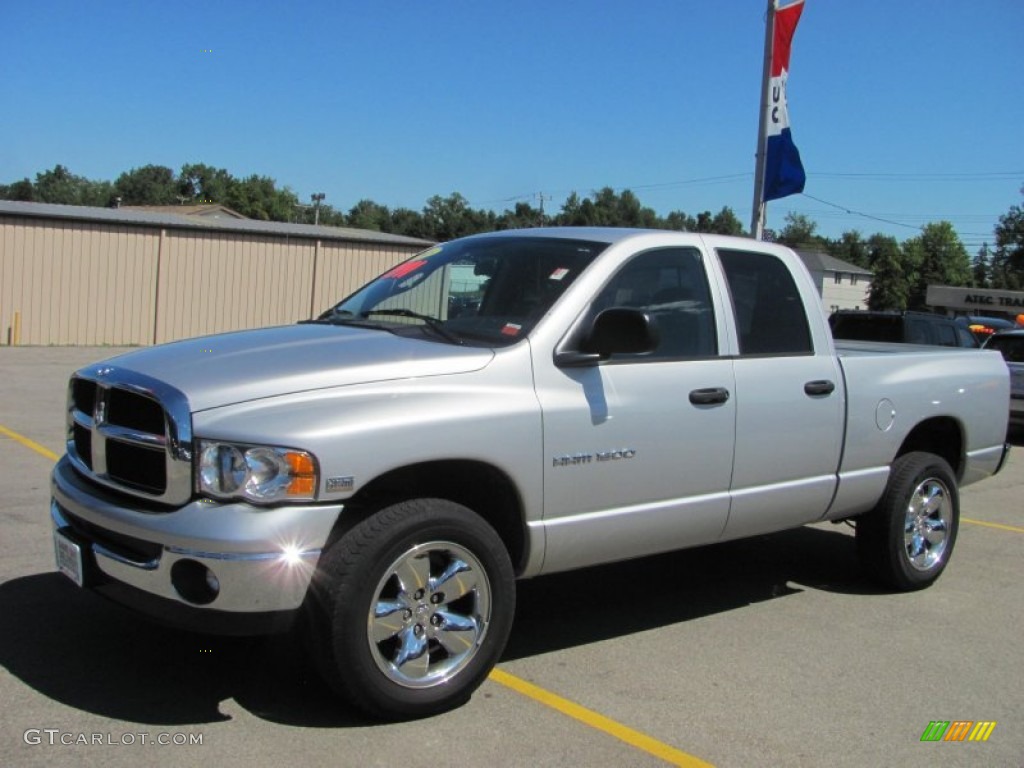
(261, 559)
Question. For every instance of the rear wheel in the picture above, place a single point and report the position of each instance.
(906, 541)
(412, 608)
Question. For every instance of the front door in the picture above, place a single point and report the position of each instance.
(638, 450)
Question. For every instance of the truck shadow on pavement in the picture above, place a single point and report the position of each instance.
(79, 650)
(82, 651)
(593, 604)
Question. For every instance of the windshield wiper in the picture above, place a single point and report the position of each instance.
(333, 316)
(431, 322)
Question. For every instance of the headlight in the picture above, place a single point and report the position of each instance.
(259, 473)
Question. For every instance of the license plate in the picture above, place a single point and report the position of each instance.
(69, 558)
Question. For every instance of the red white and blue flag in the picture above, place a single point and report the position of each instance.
(783, 171)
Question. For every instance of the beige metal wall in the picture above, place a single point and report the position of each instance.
(66, 282)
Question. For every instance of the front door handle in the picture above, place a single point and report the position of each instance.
(820, 387)
(709, 396)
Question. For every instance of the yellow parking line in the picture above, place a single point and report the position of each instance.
(586, 716)
(600, 722)
(28, 443)
(1000, 526)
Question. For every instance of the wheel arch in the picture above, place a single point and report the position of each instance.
(477, 485)
(940, 435)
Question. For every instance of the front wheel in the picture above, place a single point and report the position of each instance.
(906, 541)
(411, 609)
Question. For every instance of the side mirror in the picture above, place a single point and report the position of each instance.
(618, 330)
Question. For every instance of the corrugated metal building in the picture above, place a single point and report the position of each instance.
(73, 275)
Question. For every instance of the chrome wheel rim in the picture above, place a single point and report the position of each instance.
(927, 525)
(429, 614)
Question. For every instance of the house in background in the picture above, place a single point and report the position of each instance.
(841, 285)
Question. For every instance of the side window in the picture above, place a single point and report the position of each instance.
(670, 285)
(966, 337)
(770, 315)
(946, 334)
(917, 331)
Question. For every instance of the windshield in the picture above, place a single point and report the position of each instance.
(1012, 347)
(480, 291)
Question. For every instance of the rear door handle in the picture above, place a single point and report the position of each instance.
(820, 387)
(709, 396)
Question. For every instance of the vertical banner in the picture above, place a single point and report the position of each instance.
(783, 171)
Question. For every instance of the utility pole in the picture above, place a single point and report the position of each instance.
(542, 197)
(317, 199)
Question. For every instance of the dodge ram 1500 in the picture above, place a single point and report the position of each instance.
(498, 407)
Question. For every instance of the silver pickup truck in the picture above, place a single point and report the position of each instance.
(498, 407)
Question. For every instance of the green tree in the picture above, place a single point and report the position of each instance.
(1008, 260)
(679, 221)
(725, 223)
(570, 214)
(446, 218)
(799, 232)
(62, 186)
(936, 257)
(850, 247)
(148, 185)
(980, 270)
(19, 190)
(523, 216)
(606, 208)
(405, 221)
(257, 197)
(889, 286)
(367, 214)
(201, 183)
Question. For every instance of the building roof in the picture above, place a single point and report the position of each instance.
(819, 261)
(208, 210)
(148, 218)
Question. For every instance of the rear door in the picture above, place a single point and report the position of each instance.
(789, 416)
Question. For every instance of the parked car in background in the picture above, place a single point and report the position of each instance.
(982, 327)
(903, 327)
(1011, 345)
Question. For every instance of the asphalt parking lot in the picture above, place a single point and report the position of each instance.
(770, 651)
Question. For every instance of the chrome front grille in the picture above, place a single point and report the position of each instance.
(132, 433)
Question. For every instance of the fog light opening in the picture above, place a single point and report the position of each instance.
(195, 582)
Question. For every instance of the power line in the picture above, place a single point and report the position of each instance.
(873, 176)
(890, 219)
(861, 213)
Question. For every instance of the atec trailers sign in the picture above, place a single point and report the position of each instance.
(976, 299)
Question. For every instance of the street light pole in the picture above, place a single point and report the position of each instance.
(317, 199)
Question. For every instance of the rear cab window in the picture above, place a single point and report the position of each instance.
(769, 311)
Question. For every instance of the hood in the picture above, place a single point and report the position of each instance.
(247, 365)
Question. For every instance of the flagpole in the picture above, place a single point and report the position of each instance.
(758, 215)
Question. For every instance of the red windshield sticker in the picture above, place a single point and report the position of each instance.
(559, 273)
(404, 269)
(511, 329)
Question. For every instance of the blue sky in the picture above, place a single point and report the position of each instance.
(908, 111)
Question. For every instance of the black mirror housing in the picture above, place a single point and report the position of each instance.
(622, 331)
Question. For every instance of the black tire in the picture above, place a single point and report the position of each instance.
(906, 541)
(410, 610)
